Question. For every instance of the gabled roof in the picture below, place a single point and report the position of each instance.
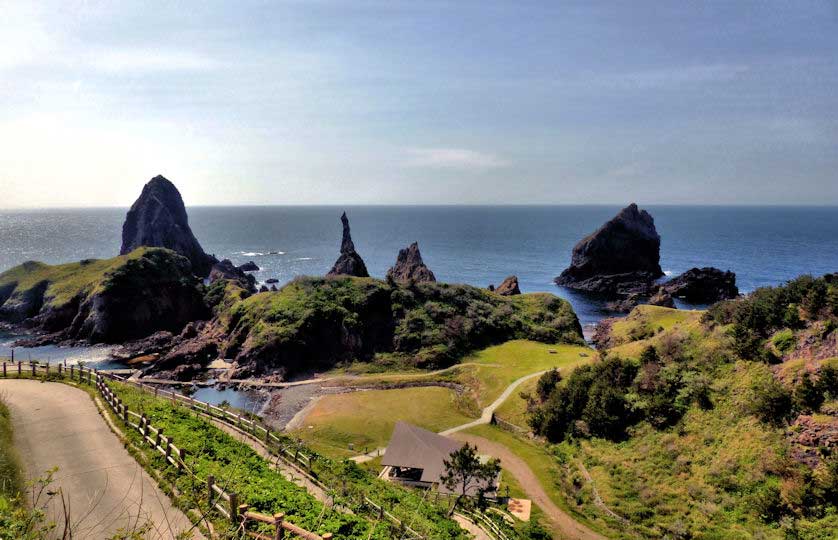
(417, 448)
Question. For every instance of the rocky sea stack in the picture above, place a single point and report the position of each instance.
(349, 263)
(621, 257)
(703, 285)
(158, 219)
(227, 270)
(410, 267)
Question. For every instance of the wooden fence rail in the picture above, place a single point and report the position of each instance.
(155, 438)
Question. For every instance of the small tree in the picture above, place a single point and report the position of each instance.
(465, 472)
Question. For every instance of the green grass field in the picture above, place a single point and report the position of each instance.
(366, 418)
(501, 365)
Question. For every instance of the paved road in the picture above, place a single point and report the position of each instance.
(58, 425)
(517, 467)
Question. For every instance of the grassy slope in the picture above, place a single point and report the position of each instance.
(366, 418)
(501, 365)
(10, 475)
(65, 280)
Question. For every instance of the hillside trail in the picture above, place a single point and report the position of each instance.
(56, 425)
(517, 467)
(486, 416)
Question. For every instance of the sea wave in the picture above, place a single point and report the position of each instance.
(667, 273)
(260, 253)
(304, 259)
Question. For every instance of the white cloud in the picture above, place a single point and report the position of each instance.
(453, 158)
(139, 59)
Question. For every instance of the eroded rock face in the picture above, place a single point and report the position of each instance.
(508, 287)
(227, 270)
(158, 219)
(620, 257)
(349, 263)
(703, 285)
(662, 298)
(410, 267)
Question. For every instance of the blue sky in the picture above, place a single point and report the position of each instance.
(378, 102)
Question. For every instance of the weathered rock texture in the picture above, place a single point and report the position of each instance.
(410, 267)
(227, 270)
(249, 266)
(158, 219)
(620, 257)
(508, 287)
(662, 298)
(703, 285)
(349, 263)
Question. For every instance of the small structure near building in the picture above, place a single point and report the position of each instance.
(416, 457)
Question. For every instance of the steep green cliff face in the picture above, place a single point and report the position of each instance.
(109, 300)
(316, 322)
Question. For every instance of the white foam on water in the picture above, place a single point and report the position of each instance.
(667, 273)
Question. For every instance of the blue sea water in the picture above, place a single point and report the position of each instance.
(466, 244)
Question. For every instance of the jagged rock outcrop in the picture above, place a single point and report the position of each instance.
(158, 219)
(662, 298)
(410, 267)
(703, 285)
(624, 305)
(349, 263)
(104, 301)
(508, 287)
(249, 266)
(620, 257)
(227, 270)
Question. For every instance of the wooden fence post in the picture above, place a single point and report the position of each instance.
(181, 459)
(234, 506)
(168, 448)
(72, 372)
(47, 369)
(32, 365)
(159, 437)
(4, 370)
(59, 369)
(19, 368)
(210, 491)
(280, 532)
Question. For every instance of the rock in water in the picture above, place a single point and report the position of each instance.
(662, 298)
(703, 285)
(249, 266)
(622, 256)
(509, 287)
(227, 270)
(158, 219)
(349, 263)
(410, 267)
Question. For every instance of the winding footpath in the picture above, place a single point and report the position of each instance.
(56, 425)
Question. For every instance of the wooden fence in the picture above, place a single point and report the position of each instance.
(225, 502)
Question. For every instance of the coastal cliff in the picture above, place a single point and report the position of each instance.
(314, 323)
(109, 300)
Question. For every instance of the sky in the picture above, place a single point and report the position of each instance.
(428, 102)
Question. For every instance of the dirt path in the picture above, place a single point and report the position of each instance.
(517, 467)
(488, 412)
(56, 425)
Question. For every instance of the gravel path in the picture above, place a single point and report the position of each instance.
(56, 425)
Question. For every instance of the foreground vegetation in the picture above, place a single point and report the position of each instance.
(688, 426)
(238, 468)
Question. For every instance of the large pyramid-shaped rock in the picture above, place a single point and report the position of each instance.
(158, 219)
(621, 256)
(410, 266)
(349, 263)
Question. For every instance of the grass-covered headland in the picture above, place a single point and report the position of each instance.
(316, 323)
(705, 424)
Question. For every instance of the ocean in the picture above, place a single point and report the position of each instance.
(477, 245)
